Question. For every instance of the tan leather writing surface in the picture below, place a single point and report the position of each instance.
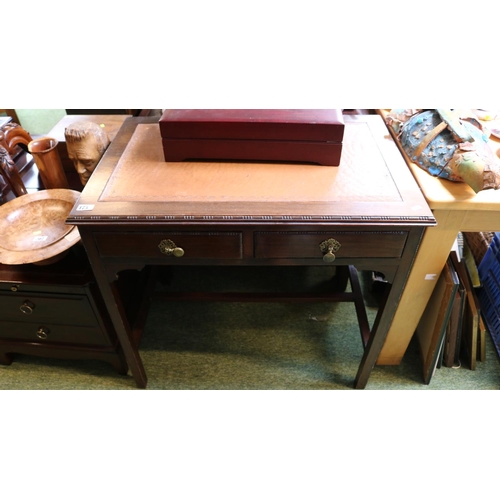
(142, 175)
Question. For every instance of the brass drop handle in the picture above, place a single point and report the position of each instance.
(168, 247)
(42, 333)
(328, 247)
(27, 307)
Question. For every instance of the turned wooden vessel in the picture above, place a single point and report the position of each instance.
(33, 228)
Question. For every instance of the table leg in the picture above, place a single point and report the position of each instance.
(375, 341)
(388, 309)
(124, 333)
(115, 309)
(430, 261)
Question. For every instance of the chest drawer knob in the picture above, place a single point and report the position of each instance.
(42, 333)
(168, 247)
(27, 307)
(328, 247)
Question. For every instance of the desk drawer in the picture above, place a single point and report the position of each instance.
(196, 245)
(307, 245)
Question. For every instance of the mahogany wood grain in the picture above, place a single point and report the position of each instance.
(289, 135)
(353, 244)
(176, 150)
(206, 245)
(313, 125)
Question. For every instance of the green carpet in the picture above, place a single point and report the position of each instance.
(250, 346)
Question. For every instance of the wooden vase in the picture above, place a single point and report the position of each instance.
(47, 160)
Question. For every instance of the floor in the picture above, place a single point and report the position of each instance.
(251, 346)
(243, 346)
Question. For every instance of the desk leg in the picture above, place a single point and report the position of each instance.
(115, 309)
(388, 309)
(430, 261)
(124, 333)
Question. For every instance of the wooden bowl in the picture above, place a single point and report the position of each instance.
(33, 227)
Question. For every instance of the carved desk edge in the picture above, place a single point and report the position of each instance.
(140, 219)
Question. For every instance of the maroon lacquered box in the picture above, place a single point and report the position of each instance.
(283, 135)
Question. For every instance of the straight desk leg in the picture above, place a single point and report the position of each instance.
(125, 336)
(388, 309)
(430, 261)
(115, 309)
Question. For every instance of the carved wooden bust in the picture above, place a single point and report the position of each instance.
(86, 142)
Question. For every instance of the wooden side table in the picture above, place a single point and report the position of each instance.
(456, 208)
(56, 311)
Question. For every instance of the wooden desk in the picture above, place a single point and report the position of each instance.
(244, 214)
(456, 208)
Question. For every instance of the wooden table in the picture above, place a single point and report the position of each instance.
(56, 311)
(138, 210)
(456, 208)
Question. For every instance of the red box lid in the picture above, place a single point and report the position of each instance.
(319, 125)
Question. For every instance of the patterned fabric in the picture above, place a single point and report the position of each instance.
(436, 156)
(447, 145)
